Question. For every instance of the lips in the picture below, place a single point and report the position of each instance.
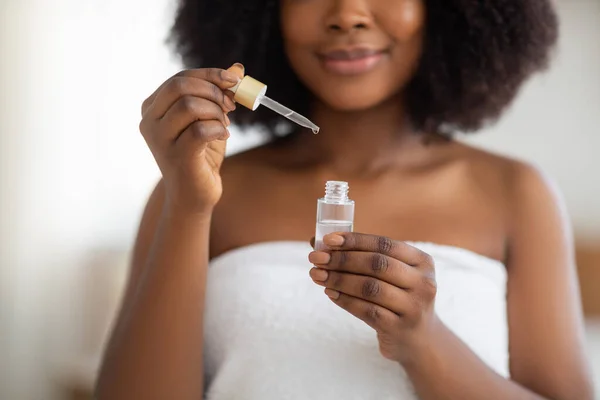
(351, 61)
(350, 54)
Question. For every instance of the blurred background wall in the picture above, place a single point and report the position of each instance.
(75, 172)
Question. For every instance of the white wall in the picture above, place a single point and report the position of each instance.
(75, 171)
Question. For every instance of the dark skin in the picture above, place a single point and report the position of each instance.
(405, 190)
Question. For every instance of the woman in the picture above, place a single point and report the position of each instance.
(461, 284)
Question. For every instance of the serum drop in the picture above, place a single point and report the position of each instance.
(335, 212)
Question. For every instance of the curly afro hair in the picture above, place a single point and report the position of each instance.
(476, 56)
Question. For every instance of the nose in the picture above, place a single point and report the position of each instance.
(349, 15)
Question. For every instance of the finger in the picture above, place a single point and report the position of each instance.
(312, 242)
(364, 287)
(183, 83)
(200, 133)
(377, 317)
(377, 265)
(187, 110)
(181, 87)
(377, 244)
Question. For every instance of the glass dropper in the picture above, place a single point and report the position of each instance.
(251, 93)
(289, 114)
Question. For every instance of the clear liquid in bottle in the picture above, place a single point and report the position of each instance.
(326, 227)
(335, 212)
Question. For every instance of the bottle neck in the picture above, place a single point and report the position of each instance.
(336, 192)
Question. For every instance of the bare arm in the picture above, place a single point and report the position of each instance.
(546, 342)
(545, 317)
(155, 350)
(144, 240)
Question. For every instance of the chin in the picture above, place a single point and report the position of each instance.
(352, 102)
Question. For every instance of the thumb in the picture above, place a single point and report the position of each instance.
(238, 69)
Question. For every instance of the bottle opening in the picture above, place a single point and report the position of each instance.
(336, 191)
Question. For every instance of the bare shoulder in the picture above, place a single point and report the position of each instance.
(526, 196)
(245, 169)
(518, 178)
(533, 203)
(487, 161)
(526, 184)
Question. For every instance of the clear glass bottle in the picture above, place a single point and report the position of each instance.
(335, 212)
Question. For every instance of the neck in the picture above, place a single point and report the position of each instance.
(358, 142)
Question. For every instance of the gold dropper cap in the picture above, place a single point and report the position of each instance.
(248, 92)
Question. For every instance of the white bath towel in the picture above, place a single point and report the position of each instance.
(271, 333)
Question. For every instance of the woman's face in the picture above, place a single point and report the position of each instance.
(353, 54)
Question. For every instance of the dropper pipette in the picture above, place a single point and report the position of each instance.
(251, 93)
(289, 114)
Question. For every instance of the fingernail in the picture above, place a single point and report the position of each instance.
(319, 275)
(319, 257)
(240, 66)
(333, 294)
(333, 240)
(230, 77)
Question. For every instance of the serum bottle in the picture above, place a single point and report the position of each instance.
(335, 212)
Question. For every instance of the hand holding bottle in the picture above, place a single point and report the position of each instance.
(388, 284)
(184, 123)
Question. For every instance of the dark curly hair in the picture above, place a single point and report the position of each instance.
(476, 56)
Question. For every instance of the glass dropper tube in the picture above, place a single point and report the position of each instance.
(289, 114)
(251, 93)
